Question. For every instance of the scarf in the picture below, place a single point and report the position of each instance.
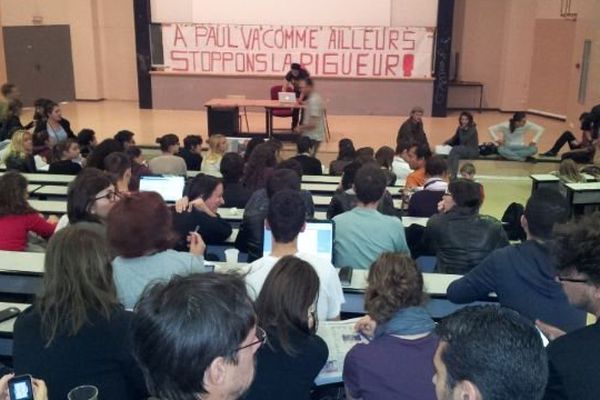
(407, 321)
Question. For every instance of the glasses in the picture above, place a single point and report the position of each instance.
(111, 196)
(573, 280)
(261, 335)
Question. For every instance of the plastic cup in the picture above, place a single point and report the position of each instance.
(85, 392)
(231, 256)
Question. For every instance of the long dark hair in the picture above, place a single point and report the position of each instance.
(469, 117)
(518, 116)
(346, 151)
(262, 157)
(290, 289)
(203, 186)
(13, 195)
(82, 193)
(78, 282)
(99, 153)
(166, 141)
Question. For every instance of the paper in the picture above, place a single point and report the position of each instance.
(443, 149)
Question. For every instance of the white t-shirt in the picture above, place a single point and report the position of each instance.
(400, 168)
(331, 296)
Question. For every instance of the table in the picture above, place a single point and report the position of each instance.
(470, 84)
(583, 194)
(324, 201)
(48, 178)
(49, 206)
(539, 181)
(237, 103)
(395, 191)
(52, 190)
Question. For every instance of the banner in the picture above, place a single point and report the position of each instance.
(325, 51)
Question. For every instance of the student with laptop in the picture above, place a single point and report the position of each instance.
(292, 81)
(286, 220)
(313, 117)
(363, 233)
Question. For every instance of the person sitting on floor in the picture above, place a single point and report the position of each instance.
(465, 142)
(346, 154)
(424, 203)
(385, 157)
(523, 275)
(581, 151)
(459, 236)
(66, 155)
(191, 152)
(168, 163)
(310, 165)
(235, 194)
(512, 143)
(363, 233)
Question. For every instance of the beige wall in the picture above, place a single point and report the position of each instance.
(102, 41)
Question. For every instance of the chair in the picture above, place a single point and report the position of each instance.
(280, 112)
(242, 111)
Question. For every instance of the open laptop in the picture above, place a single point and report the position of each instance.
(286, 97)
(316, 239)
(169, 187)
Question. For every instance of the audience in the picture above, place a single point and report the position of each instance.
(139, 167)
(459, 236)
(12, 120)
(405, 160)
(344, 199)
(346, 154)
(385, 158)
(41, 148)
(168, 163)
(286, 219)
(205, 196)
(19, 154)
(523, 275)
(118, 167)
(365, 155)
(86, 138)
(512, 143)
(465, 142)
(17, 217)
(424, 203)
(9, 92)
(310, 165)
(250, 146)
(234, 192)
(126, 139)
(195, 337)
(288, 365)
(259, 167)
(99, 153)
(411, 131)
(217, 146)
(191, 152)
(568, 172)
(467, 171)
(66, 155)
(396, 364)
(489, 353)
(363, 233)
(58, 128)
(76, 333)
(139, 229)
(416, 179)
(573, 358)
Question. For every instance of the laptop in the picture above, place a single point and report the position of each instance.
(169, 187)
(317, 239)
(286, 97)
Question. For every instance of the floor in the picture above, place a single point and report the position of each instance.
(107, 117)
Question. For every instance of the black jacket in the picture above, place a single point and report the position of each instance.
(424, 203)
(8, 126)
(214, 230)
(235, 195)
(465, 137)
(193, 161)
(25, 165)
(412, 132)
(310, 165)
(40, 125)
(64, 167)
(461, 240)
(347, 200)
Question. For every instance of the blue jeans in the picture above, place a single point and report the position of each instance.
(517, 153)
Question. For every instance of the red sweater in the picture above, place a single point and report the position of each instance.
(14, 229)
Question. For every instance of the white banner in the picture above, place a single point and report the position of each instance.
(325, 51)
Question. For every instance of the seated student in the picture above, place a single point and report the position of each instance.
(139, 167)
(472, 339)
(396, 364)
(76, 333)
(465, 142)
(344, 199)
(41, 148)
(467, 171)
(404, 160)
(86, 138)
(217, 146)
(11, 122)
(310, 165)
(126, 139)
(19, 153)
(424, 203)
(40, 391)
(582, 151)
(363, 233)
(52, 121)
(411, 131)
(574, 358)
(195, 337)
(191, 152)
(286, 219)
(385, 157)
(259, 167)
(417, 178)
(17, 217)
(568, 172)
(234, 192)
(205, 194)
(9, 92)
(66, 155)
(523, 275)
(346, 154)
(287, 366)
(99, 153)
(459, 236)
(118, 167)
(139, 229)
(168, 163)
(250, 146)
(250, 236)
(365, 155)
(512, 144)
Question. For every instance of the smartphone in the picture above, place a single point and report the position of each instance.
(9, 313)
(345, 275)
(20, 388)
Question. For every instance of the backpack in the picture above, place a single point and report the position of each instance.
(511, 222)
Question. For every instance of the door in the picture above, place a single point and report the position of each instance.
(39, 61)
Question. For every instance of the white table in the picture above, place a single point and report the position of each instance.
(52, 190)
(323, 201)
(49, 206)
(583, 194)
(48, 178)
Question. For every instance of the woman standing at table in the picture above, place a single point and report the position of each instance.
(512, 143)
(17, 217)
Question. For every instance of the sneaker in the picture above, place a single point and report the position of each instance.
(549, 153)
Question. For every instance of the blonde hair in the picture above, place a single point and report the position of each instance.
(16, 145)
(213, 143)
(568, 172)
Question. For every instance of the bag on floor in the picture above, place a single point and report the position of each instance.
(488, 149)
(511, 222)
